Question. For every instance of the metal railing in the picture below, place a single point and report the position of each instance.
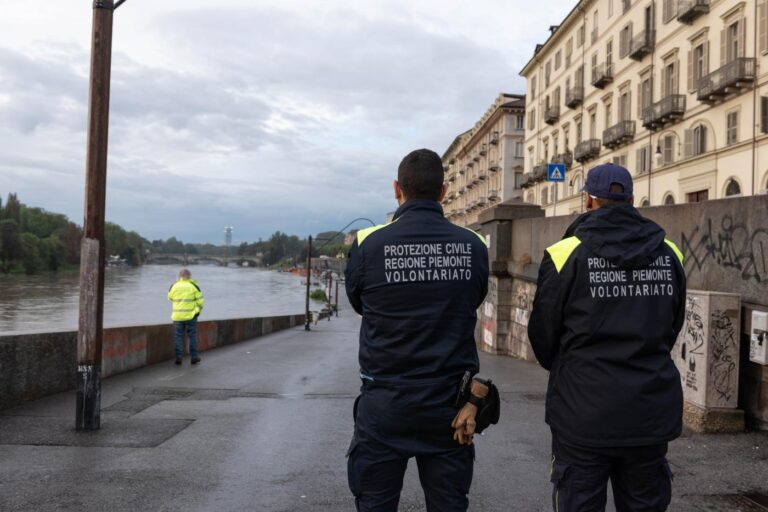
(737, 73)
(564, 158)
(587, 150)
(642, 44)
(618, 134)
(574, 97)
(668, 109)
(689, 10)
(551, 115)
(602, 74)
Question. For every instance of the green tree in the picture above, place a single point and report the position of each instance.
(34, 254)
(13, 209)
(11, 249)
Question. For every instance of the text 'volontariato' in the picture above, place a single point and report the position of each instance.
(407, 263)
(607, 281)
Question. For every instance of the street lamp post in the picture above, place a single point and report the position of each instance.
(309, 278)
(92, 249)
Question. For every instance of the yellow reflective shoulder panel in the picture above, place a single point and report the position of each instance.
(364, 233)
(478, 235)
(562, 250)
(674, 248)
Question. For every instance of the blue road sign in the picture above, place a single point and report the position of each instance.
(555, 172)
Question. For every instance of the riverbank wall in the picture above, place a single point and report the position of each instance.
(40, 364)
(725, 249)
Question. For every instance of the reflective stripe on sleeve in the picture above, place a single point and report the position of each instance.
(674, 248)
(562, 250)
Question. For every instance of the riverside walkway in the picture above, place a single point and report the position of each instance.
(263, 426)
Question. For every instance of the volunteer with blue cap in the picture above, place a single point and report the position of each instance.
(609, 305)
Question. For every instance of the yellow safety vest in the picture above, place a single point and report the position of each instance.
(187, 300)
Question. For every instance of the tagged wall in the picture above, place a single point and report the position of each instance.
(725, 249)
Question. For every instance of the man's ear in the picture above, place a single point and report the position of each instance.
(398, 192)
(443, 191)
(590, 203)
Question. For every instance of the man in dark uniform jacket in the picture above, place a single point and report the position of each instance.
(417, 282)
(609, 305)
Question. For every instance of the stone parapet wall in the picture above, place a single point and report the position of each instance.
(40, 364)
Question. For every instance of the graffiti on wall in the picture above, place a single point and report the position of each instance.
(729, 244)
(523, 303)
(723, 349)
(691, 344)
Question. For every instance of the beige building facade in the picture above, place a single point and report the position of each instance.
(676, 91)
(484, 165)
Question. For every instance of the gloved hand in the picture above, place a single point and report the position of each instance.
(464, 422)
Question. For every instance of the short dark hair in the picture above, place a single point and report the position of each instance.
(420, 175)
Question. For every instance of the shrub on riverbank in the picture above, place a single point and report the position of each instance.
(318, 295)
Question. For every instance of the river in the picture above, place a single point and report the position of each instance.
(137, 296)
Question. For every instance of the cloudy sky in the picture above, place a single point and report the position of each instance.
(264, 115)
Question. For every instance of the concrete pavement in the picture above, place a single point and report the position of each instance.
(263, 425)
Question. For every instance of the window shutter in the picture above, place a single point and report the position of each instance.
(764, 114)
(688, 143)
(706, 57)
(676, 81)
(639, 161)
(742, 36)
(723, 48)
(763, 26)
(669, 148)
(639, 95)
(690, 71)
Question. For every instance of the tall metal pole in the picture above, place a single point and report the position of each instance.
(336, 307)
(89, 336)
(309, 278)
(330, 286)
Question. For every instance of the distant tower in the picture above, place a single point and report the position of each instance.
(228, 236)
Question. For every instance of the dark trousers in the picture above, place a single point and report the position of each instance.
(640, 477)
(190, 328)
(376, 472)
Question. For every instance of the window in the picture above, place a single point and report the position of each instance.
(697, 197)
(643, 159)
(699, 140)
(566, 137)
(668, 11)
(625, 37)
(577, 184)
(532, 119)
(610, 8)
(608, 114)
(764, 114)
(734, 41)
(594, 27)
(670, 79)
(626, 4)
(732, 188)
(568, 52)
(609, 53)
(593, 125)
(578, 131)
(580, 37)
(698, 66)
(644, 100)
(579, 77)
(594, 66)
(547, 73)
(669, 200)
(620, 160)
(732, 127)
(668, 150)
(558, 59)
(518, 150)
(624, 104)
(533, 87)
(519, 123)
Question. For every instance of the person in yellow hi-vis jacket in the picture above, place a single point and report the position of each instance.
(188, 302)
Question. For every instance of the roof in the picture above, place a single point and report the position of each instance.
(554, 31)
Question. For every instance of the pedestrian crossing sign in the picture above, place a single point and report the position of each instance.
(555, 172)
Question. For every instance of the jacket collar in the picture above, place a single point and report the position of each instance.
(421, 205)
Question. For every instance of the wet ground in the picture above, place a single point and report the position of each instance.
(264, 425)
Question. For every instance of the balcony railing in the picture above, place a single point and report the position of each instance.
(602, 75)
(476, 158)
(618, 134)
(527, 180)
(481, 201)
(493, 166)
(574, 97)
(451, 176)
(587, 150)
(470, 164)
(736, 75)
(668, 110)
(482, 174)
(540, 172)
(689, 10)
(493, 195)
(494, 137)
(564, 158)
(484, 149)
(642, 44)
(551, 115)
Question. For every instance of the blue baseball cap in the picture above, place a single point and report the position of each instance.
(600, 179)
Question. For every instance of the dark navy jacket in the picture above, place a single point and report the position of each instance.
(417, 282)
(609, 305)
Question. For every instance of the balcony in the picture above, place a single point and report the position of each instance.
(689, 10)
(619, 134)
(476, 158)
(564, 158)
(475, 179)
(735, 76)
(462, 171)
(539, 172)
(527, 180)
(574, 97)
(493, 195)
(462, 191)
(452, 160)
(642, 44)
(470, 164)
(551, 115)
(602, 75)
(483, 174)
(470, 185)
(668, 110)
(451, 177)
(481, 202)
(495, 138)
(484, 149)
(493, 166)
(587, 150)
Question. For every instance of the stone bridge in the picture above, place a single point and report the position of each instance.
(196, 259)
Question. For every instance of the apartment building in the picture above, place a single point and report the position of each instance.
(674, 90)
(484, 165)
